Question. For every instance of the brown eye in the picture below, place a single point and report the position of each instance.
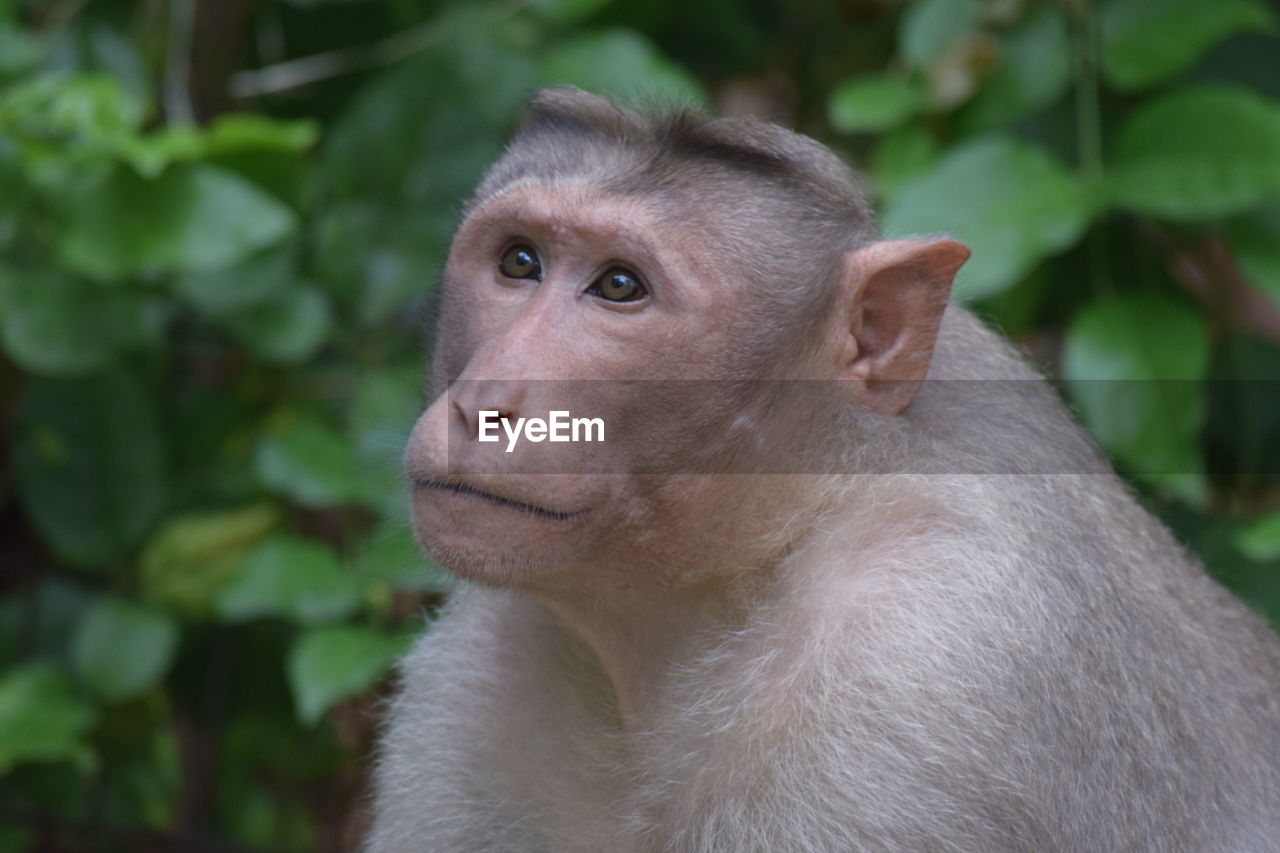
(520, 262)
(618, 285)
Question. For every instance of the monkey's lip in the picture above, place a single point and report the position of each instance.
(458, 488)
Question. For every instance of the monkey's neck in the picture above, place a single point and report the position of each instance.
(641, 637)
(646, 636)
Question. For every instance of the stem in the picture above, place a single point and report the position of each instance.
(177, 63)
(1084, 56)
(1250, 436)
(296, 73)
(1088, 114)
(306, 70)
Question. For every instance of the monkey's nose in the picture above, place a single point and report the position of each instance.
(469, 398)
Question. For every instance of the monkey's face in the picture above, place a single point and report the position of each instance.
(609, 311)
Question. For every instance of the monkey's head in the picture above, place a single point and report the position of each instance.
(669, 277)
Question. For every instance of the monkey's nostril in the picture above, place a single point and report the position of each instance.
(460, 418)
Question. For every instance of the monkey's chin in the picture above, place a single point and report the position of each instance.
(493, 539)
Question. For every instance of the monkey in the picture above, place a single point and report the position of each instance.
(845, 576)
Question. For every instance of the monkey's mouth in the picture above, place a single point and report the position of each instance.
(499, 500)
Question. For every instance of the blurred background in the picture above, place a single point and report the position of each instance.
(220, 220)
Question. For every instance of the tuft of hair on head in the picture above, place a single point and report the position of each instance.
(682, 132)
(568, 133)
(566, 109)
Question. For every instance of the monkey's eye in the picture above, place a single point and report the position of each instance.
(618, 285)
(520, 261)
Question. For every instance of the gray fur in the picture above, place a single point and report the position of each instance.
(939, 661)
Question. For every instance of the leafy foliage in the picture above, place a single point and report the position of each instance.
(122, 648)
(189, 218)
(875, 102)
(214, 255)
(89, 464)
(1198, 154)
(43, 719)
(327, 664)
(1012, 203)
(1134, 362)
(295, 578)
(1145, 43)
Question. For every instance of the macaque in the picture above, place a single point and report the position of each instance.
(843, 575)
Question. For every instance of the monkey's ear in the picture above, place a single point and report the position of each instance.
(896, 292)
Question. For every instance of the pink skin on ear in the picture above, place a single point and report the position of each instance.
(896, 292)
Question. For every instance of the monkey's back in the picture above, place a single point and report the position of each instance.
(1147, 695)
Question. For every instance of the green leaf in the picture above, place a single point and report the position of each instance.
(287, 329)
(391, 556)
(294, 578)
(305, 459)
(1255, 238)
(255, 280)
(1145, 43)
(1011, 203)
(386, 406)
(150, 155)
(328, 664)
(1198, 154)
(374, 258)
(90, 464)
(40, 718)
(1034, 70)
(1261, 541)
(53, 323)
(188, 562)
(901, 156)
(122, 649)
(230, 134)
(875, 102)
(60, 116)
(1135, 365)
(1138, 336)
(20, 51)
(930, 26)
(620, 64)
(193, 217)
